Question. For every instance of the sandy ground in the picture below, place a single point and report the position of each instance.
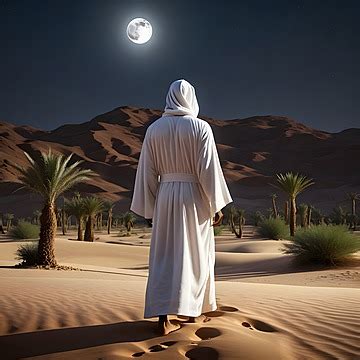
(267, 307)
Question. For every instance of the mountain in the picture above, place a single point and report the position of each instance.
(251, 151)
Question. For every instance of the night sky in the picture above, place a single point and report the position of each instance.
(66, 61)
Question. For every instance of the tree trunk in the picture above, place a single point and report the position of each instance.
(304, 218)
(232, 225)
(353, 212)
(80, 230)
(353, 207)
(89, 230)
(46, 253)
(274, 207)
(292, 216)
(240, 227)
(63, 221)
(129, 225)
(238, 233)
(308, 216)
(100, 221)
(109, 221)
(286, 212)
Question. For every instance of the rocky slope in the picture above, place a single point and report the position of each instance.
(251, 151)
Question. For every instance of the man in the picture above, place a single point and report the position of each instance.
(180, 185)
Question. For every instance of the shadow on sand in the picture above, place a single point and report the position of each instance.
(16, 346)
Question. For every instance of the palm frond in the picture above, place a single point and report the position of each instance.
(93, 205)
(292, 184)
(75, 207)
(50, 174)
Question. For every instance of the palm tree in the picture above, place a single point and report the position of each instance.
(63, 217)
(128, 220)
(257, 217)
(99, 221)
(286, 212)
(318, 216)
(36, 216)
(308, 215)
(237, 216)
(232, 215)
(108, 207)
(116, 219)
(302, 210)
(241, 222)
(2, 230)
(92, 206)
(50, 175)
(9, 218)
(75, 207)
(338, 215)
(121, 219)
(353, 196)
(274, 207)
(292, 184)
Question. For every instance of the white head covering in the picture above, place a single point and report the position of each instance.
(181, 99)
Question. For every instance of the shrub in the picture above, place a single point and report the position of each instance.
(273, 228)
(325, 244)
(218, 229)
(25, 230)
(257, 217)
(28, 253)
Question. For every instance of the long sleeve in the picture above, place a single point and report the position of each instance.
(210, 174)
(146, 182)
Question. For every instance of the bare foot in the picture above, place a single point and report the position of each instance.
(167, 327)
(199, 319)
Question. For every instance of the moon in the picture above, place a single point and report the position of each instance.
(139, 30)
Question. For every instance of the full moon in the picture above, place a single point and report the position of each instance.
(139, 31)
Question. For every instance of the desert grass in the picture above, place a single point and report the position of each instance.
(25, 230)
(273, 228)
(323, 244)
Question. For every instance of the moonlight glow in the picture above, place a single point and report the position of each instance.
(139, 31)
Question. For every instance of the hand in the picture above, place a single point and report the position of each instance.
(217, 219)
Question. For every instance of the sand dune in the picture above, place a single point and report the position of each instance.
(97, 313)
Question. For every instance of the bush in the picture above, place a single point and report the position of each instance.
(325, 244)
(28, 253)
(25, 230)
(218, 230)
(273, 228)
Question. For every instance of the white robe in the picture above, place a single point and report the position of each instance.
(182, 250)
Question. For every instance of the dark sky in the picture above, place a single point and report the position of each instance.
(66, 61)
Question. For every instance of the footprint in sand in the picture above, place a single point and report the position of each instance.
(207, 333)
(259, 325)
(221, 311)
(204, 333)
(247, 325)
(228, 308)
(156, 348)
(202, 353)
